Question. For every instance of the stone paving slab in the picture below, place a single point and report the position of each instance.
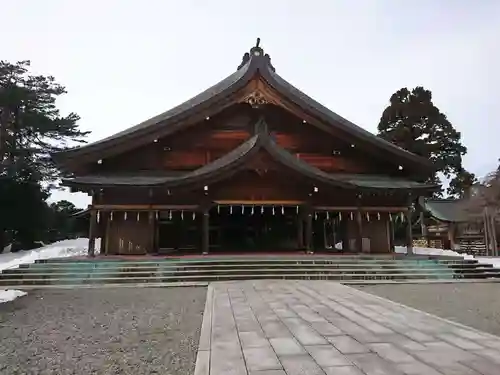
(274, 327)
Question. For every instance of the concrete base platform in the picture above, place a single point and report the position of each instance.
(316, 328)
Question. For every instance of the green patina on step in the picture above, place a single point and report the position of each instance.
(168, 270)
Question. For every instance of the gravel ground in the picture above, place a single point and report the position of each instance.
(475, 305)
(102, 331)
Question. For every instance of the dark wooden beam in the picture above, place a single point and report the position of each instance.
(359, 232)
(309, 231)
(409, 235)
(205, 231)
(92, 232)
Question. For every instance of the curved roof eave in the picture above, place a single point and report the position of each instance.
(227, 162)
(306, 102)
(199, 102)
(231, 163)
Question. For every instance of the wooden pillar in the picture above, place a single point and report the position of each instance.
(152, 224)
(409, 236)
(452, 230)
(300, 233)
(205, 231)
(344, 237)
(105, 233)
(309, 231)
(359, 232)
(391, 232)
(92, 232)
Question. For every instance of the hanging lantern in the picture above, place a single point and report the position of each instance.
(282, 210)
(111, 216)
(194, 215)
(125, 215)
(138, 216)
(98, 218)
(242, 209)
(352, 216)
(230, 210)
(218, 209)
(251, 212)
(182, 215)
(261, 209)
(367, 217)
(378, 215)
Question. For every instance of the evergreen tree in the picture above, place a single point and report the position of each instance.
(63, 223)
(461, 184)
(413, 122)
(31, 128)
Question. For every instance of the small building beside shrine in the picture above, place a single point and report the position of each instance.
(451, 224)
(251, 164)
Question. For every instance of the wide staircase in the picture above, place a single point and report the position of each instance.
(164, 271)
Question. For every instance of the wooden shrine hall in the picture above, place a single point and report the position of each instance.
(251, 164)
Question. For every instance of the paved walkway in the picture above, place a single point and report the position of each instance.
(318, 328)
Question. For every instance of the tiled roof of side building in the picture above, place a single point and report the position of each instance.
(449, 210)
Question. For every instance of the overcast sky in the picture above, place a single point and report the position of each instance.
(123, 61)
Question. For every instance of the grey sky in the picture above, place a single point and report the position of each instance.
(125, 61)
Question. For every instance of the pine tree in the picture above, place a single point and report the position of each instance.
(413, 122)
(31, 125)
(461, 184)
(31, 128)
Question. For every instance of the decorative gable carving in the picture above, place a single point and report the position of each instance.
(256, 99)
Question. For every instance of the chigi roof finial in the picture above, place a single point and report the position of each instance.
(256, 52)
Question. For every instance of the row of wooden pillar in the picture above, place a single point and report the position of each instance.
(304, 238)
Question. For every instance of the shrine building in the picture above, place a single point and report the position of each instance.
(251, 164)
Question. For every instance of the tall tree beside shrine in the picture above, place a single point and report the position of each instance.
(413, 122)
(31, 127)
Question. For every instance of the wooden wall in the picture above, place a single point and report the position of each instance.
(130, 236)
(202, 143)
(329, 152)
(375, 231)
(186, 149)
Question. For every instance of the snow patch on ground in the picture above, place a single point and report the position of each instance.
(10, 295)
(60, 249)
(495, 261)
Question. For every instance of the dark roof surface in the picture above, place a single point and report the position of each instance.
(236, 156)
(449, 210)
(234, 160)
(255, 62)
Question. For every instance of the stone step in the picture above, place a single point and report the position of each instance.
(131, 265)
(253, 260)
(224, 277)
(124, 267)
(12, 274)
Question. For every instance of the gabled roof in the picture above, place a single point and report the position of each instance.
(236, 160)
(447, 210)
(254, 63)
